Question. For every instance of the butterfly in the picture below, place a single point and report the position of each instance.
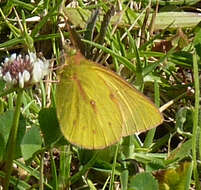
(96, 107)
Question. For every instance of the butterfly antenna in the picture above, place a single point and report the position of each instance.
(75, 38)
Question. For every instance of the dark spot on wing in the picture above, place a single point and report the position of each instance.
(110, 124)
(113, 98)
(93, 131)
(93, 105)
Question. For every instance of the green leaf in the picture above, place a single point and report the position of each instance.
(2, 146)
(143, 181)
(31, 142)
(197, 41)
(79, 17)
(181, 151)
(182, 58)
(6, 119)
(5, 123)
(50, 127)
(2, 85)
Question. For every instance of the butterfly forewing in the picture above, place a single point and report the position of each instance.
(88, 113)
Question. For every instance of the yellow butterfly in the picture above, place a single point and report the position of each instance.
(96, 107)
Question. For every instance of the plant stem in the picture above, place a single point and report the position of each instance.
(195, 120)
(11, 144)
(150, 135)
(113, 167)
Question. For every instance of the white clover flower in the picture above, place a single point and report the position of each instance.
(12, 57)
(40, 69)
(26, 75)
(7, 77)
(21, 80)
(22, 71)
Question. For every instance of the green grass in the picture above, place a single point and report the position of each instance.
(163, 63)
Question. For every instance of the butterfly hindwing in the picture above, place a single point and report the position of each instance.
(138, 112)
